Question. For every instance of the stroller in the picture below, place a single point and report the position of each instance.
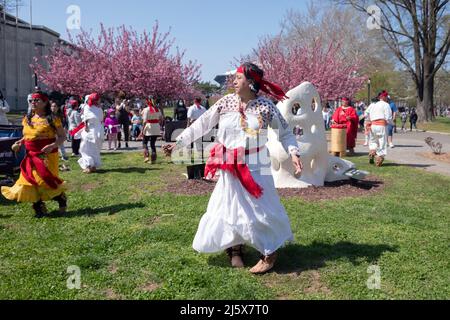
(10, 161)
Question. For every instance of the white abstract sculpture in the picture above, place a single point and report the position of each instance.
(318, 165)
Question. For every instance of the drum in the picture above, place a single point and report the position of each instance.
(339, 140)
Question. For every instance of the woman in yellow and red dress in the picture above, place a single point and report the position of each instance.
(39, 181)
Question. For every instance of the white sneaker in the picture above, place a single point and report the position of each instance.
(391, 146)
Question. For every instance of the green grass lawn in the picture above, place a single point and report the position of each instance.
(132, 240)
(440, 125)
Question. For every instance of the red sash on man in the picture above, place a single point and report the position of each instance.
(33, 160)
(234, 163)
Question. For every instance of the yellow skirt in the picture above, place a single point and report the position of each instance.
(23, 191)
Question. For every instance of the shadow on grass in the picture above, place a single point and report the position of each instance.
(298, 258)
(110, 210)
(360, 184)
(127, 170)
(411, 165)
(4, 202)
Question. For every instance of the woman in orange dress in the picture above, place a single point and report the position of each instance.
(39, 180)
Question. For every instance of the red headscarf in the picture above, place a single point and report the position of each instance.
(93, 100)
(152, 107)
(384, 94)
(268, 87)
(41, 96)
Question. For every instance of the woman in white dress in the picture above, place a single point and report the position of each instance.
(92, 136)
(244, 207)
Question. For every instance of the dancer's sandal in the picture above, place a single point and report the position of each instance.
(265, 264)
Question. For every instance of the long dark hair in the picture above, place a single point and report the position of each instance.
(255, 87)
(48, 112)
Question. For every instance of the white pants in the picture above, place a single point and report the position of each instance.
(378, 140)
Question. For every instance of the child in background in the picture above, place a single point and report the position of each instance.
(136, 120)
(112, 126)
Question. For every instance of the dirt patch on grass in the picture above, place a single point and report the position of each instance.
(332, 190)
(444, 157)
(153, 221)
(316, 285)
(336, 190)
(150, 287)
(113, 268)
(111, 295)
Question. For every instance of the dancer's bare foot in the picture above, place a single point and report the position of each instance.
(265, 264)
(235, 255)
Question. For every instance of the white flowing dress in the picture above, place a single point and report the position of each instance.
(91, 140)
(234, 216)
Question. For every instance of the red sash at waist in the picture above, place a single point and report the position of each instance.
(153, 121)
(234, 164)
(34, 159)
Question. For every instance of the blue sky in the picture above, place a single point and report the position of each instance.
(212, 32)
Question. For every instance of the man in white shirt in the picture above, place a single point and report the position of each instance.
(379, 116)
(195, 111)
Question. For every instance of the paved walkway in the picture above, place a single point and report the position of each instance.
(408, 145)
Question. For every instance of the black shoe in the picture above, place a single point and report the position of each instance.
(62, 202)
(40, 210)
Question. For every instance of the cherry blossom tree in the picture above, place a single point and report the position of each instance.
(290, 64)
(119, 60)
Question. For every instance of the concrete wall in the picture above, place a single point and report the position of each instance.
(18, 46)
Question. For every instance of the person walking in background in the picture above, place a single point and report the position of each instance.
(136, 121)
(413, 117)
(123, 116)
(152, 118)
(404, 118)
(195, 111)
(391, 125)
(58, 113)
(74, 120)
(4, 109)
(180, 112)
(326, 113)
(112, 128)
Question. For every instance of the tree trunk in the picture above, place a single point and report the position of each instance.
(425, 93)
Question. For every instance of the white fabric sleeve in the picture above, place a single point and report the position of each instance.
(5, 106)
(284, 133)
(189, 113)
(201, 126)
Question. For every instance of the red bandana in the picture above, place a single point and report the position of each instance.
(268, 87)
(43, 97)
(152, 107)
(93, 99)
